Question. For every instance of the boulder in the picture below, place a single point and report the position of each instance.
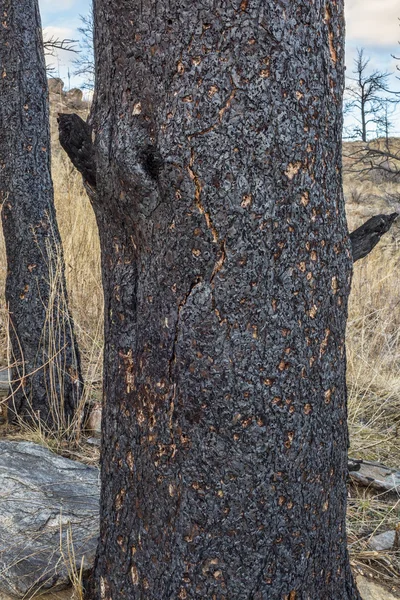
(56, 85)
(383, 541)
(93, 424)
(371, 590)
(49, 512)
(374, 475)
(74, 96)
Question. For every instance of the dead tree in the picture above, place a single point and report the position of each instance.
(226, 270)
(365, 238)
(76, 139)
(47, 380)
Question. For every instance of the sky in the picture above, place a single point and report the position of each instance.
(370, 24)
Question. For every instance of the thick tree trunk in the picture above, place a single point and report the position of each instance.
(226, 270)
(47, 370)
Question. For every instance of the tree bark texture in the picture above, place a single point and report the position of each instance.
(226, 269)
(47, 370)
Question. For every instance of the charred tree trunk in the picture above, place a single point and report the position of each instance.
(226, 270)
(47, 375)
(75, 138)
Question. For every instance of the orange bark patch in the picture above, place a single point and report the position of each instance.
(292, 170)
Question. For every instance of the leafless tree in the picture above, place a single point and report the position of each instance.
(368, 96)
(84, 63)
(52, 45)
(46, 372)
(372, 104)
(224, 441)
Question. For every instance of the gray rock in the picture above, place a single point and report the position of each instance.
(371, 590)
(47, 505)
(56, 85)
(377, 476)
(67, 594)
(5, 376)
(382, 541)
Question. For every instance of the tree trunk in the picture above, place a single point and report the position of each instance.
(47, 375)
(226, 269)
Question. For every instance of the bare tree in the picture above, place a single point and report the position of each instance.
(52, 45)
(226, 269)
(368, 96)
(84, 63)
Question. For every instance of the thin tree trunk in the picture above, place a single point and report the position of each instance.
(47, 373)
(226, 270)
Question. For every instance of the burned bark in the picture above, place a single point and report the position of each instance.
(75, 138)
(226, 269)
(46, 366)
(365, 238)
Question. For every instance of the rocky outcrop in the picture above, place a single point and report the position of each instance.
(71, 99)
(49, 513)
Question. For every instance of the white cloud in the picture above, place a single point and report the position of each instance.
(61, 61)
(373, 22)
(59, 32)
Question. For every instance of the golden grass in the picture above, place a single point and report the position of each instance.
(373, 372)
(83, 281)
(373, 335)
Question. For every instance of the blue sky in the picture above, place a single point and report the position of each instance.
(60, 19)
(371, 24)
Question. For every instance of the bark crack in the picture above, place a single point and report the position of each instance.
(221, 113)
(181, 304)
(221, 257)
(197, 196)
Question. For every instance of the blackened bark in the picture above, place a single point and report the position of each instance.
(75, 138)
(365, 238)
(47, 372)
(226, 269)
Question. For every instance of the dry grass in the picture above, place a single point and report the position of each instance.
(373, 372)
(83, 280)
(373, 336)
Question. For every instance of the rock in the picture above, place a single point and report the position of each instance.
(377, 476)
(383, 541)
(93, 424)
(63, 595)
(56, 85)
(5, 375)
(74, 96)
(92, 441)
(370, 590)
(48, 504)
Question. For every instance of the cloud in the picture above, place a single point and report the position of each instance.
(62, 60)
(61, 33)
(373, 22)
